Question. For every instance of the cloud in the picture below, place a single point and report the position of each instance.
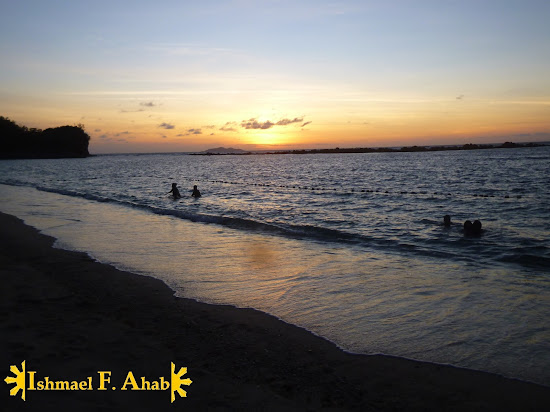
(143, 104)
(305, 124)
(131, 111)
(285, 122)
(228, 127)
(209, 127)
(190, 132)
(254, 124)
(97, 130)
(460, 97)
(166, 125)
(121, 133)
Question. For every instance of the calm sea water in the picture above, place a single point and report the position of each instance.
(349, 246)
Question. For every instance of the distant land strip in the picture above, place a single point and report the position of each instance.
(468, 146)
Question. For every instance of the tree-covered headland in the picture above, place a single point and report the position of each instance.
(20, 142)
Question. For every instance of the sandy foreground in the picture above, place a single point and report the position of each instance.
(70, 317)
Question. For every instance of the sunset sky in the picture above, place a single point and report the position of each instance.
(159, 76)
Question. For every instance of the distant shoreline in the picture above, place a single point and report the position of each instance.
(404, 149)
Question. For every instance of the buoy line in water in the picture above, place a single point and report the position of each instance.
(355, 191)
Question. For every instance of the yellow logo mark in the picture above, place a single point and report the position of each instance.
(176, 382)
(47, 384)
(19, 380)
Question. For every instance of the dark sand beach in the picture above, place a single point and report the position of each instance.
(69, 317)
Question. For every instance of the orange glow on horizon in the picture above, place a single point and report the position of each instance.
(146, 125)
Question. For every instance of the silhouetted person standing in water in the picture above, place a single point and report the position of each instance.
(175, 192)
(196, 192)
(447, 221)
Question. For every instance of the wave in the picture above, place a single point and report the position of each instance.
(529, 260)
(295, 231)
(432, 248)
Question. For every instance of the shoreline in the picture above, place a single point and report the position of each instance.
(221, 151)
(69, 316)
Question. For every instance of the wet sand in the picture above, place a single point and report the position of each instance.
(69, 317)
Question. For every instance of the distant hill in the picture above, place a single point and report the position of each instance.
(224, 150)
(20, 142)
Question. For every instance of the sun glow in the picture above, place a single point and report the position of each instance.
(267, 138)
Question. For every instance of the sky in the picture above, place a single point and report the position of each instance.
(163, 76)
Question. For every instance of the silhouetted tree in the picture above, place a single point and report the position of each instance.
(20, 142)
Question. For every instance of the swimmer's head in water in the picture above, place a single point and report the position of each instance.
(472, 229)
(476, 227)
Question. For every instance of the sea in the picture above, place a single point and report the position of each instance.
(351, 247)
